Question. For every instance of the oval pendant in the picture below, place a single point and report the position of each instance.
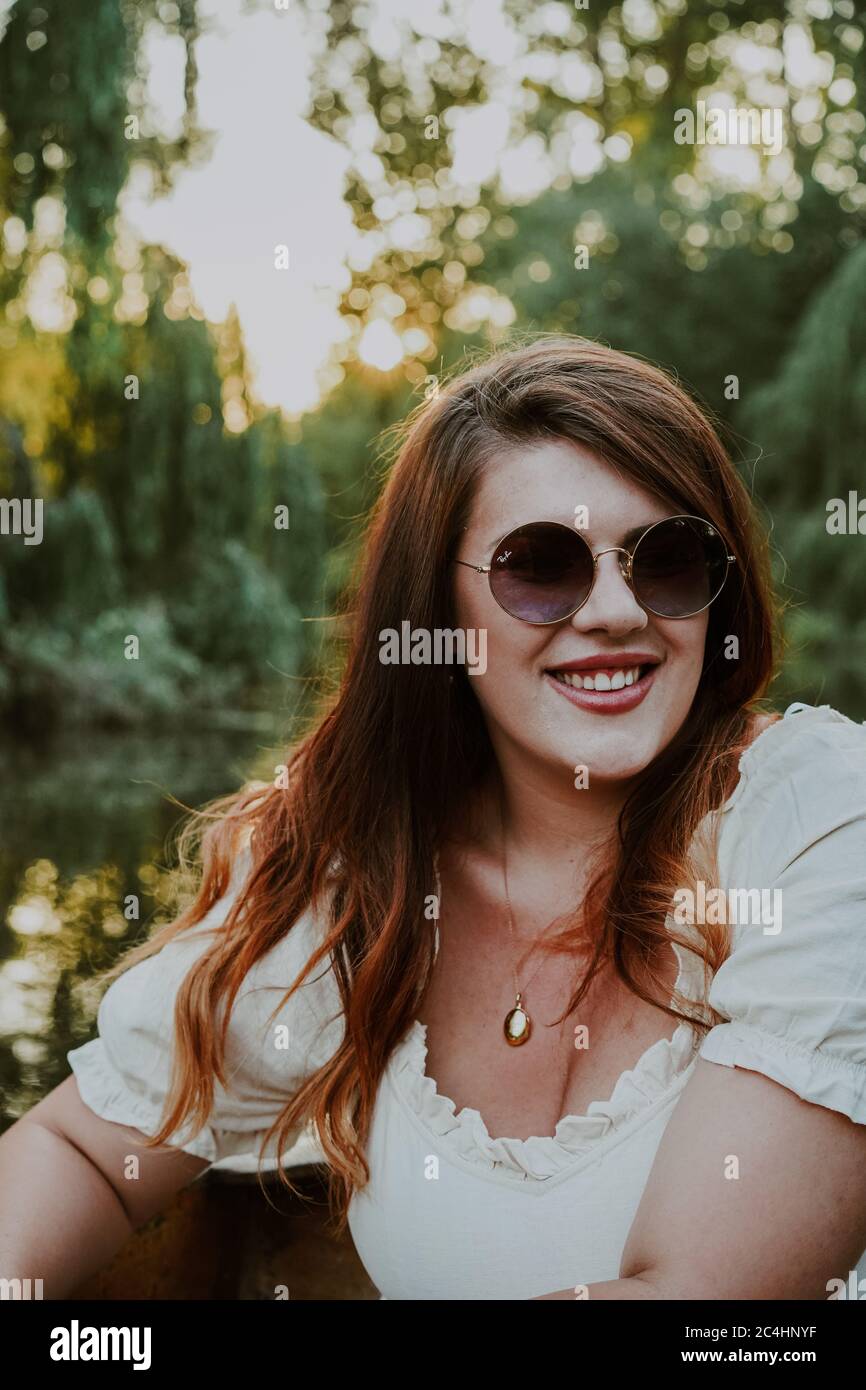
(517, 1027)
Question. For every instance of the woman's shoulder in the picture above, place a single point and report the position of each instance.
(801, 777)
(273, 1042)
(792, 861)
(803, 733)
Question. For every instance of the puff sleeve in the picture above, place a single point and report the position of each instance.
(124, 1073)
(793, 989)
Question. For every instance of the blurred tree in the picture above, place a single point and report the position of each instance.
(158, 472)
(811, 424)
(73, 100)
(811, 417)
(452, 123)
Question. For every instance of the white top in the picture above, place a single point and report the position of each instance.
(450, 1212)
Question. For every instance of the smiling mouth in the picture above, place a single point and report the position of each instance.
(604, 678)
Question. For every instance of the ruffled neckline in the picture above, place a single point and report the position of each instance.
(544, 1156)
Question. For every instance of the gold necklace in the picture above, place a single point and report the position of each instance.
(517, 1027)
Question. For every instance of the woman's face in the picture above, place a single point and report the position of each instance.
(532, 715)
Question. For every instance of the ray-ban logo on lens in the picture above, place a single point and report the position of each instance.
(438, 646)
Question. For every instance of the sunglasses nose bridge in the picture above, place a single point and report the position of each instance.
(625, 565)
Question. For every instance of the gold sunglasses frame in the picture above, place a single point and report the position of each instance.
(626, 567)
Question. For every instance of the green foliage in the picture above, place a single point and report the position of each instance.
(84, 677)
(825, 656)
(343, 441)
(162, 526)
(158, 519)
(734, 316)
(290, 480)
(74, 572)
(809, 427)
(70, 80)
(157, 502)
(569, 79)
(234, 615)
(810, 418)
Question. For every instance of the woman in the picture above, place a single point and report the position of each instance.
(563, 951)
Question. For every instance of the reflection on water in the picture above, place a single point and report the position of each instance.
(83, 826)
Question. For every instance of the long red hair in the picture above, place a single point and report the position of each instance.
(398, 751)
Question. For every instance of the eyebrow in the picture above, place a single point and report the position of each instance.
(637, 531)
(626, 541)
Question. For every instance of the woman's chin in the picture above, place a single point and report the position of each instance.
(608, 761)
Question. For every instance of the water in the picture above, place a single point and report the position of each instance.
(85, 821)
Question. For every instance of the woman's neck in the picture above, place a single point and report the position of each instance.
(542, 819)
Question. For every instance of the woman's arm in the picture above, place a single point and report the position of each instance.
(793, 1218)
(67, 1203)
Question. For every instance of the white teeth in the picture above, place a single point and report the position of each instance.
(581, 680)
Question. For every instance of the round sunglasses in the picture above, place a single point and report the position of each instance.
(544, 572)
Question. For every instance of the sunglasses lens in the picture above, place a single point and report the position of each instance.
(679, 567)
(542, 572)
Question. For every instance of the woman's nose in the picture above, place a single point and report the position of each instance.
(611, 603)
